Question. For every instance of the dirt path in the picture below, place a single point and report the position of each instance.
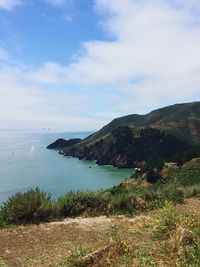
(47, 244)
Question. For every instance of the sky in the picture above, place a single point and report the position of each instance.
(77, 64)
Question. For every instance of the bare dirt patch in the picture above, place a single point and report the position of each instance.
(47, 244)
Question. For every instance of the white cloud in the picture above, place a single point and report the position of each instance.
(153, 60)
(29, 105)
(154, 55)
(50, 73)
(9, 4)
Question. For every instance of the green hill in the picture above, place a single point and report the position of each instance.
(182, 120)
(169, 133)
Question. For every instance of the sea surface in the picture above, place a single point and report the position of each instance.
(26, 163)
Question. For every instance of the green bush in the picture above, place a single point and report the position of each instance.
(152, 176)
(177, 195)
(32, 206)
(193, 191)
(166, 226)
(127, 202)
(172, 191)
(123, 202)
(115, 190)
(75, 203)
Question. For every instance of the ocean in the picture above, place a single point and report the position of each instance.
(26, 163)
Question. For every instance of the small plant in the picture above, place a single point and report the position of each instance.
(145, 259)
(122, 246)
(177, 195)
(74, 256)
(165, 226)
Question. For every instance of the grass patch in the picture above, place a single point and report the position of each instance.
(145, 259)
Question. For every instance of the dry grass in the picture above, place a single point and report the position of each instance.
(113, 241)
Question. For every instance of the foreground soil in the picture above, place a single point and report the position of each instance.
(98, 241)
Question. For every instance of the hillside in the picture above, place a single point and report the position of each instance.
(182, 120)
(170, 133)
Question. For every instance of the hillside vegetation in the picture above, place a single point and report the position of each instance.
(131, 147)
(171, 134)
(182, 120)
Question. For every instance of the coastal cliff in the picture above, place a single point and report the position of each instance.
(127, 148)
(171, 134)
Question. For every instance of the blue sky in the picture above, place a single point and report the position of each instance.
(37, 31)
(77, 64)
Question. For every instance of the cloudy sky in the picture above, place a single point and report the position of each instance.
(77, 64)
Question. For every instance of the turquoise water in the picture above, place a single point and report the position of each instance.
(25, 163)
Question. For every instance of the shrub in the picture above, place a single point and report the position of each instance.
(127, 202)
(75, 203)
(122, 202)
(166, 225)
(172, 191)
(32, 206)
(193, 191)
(115, 190)
(152, 176)
(177, 195)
